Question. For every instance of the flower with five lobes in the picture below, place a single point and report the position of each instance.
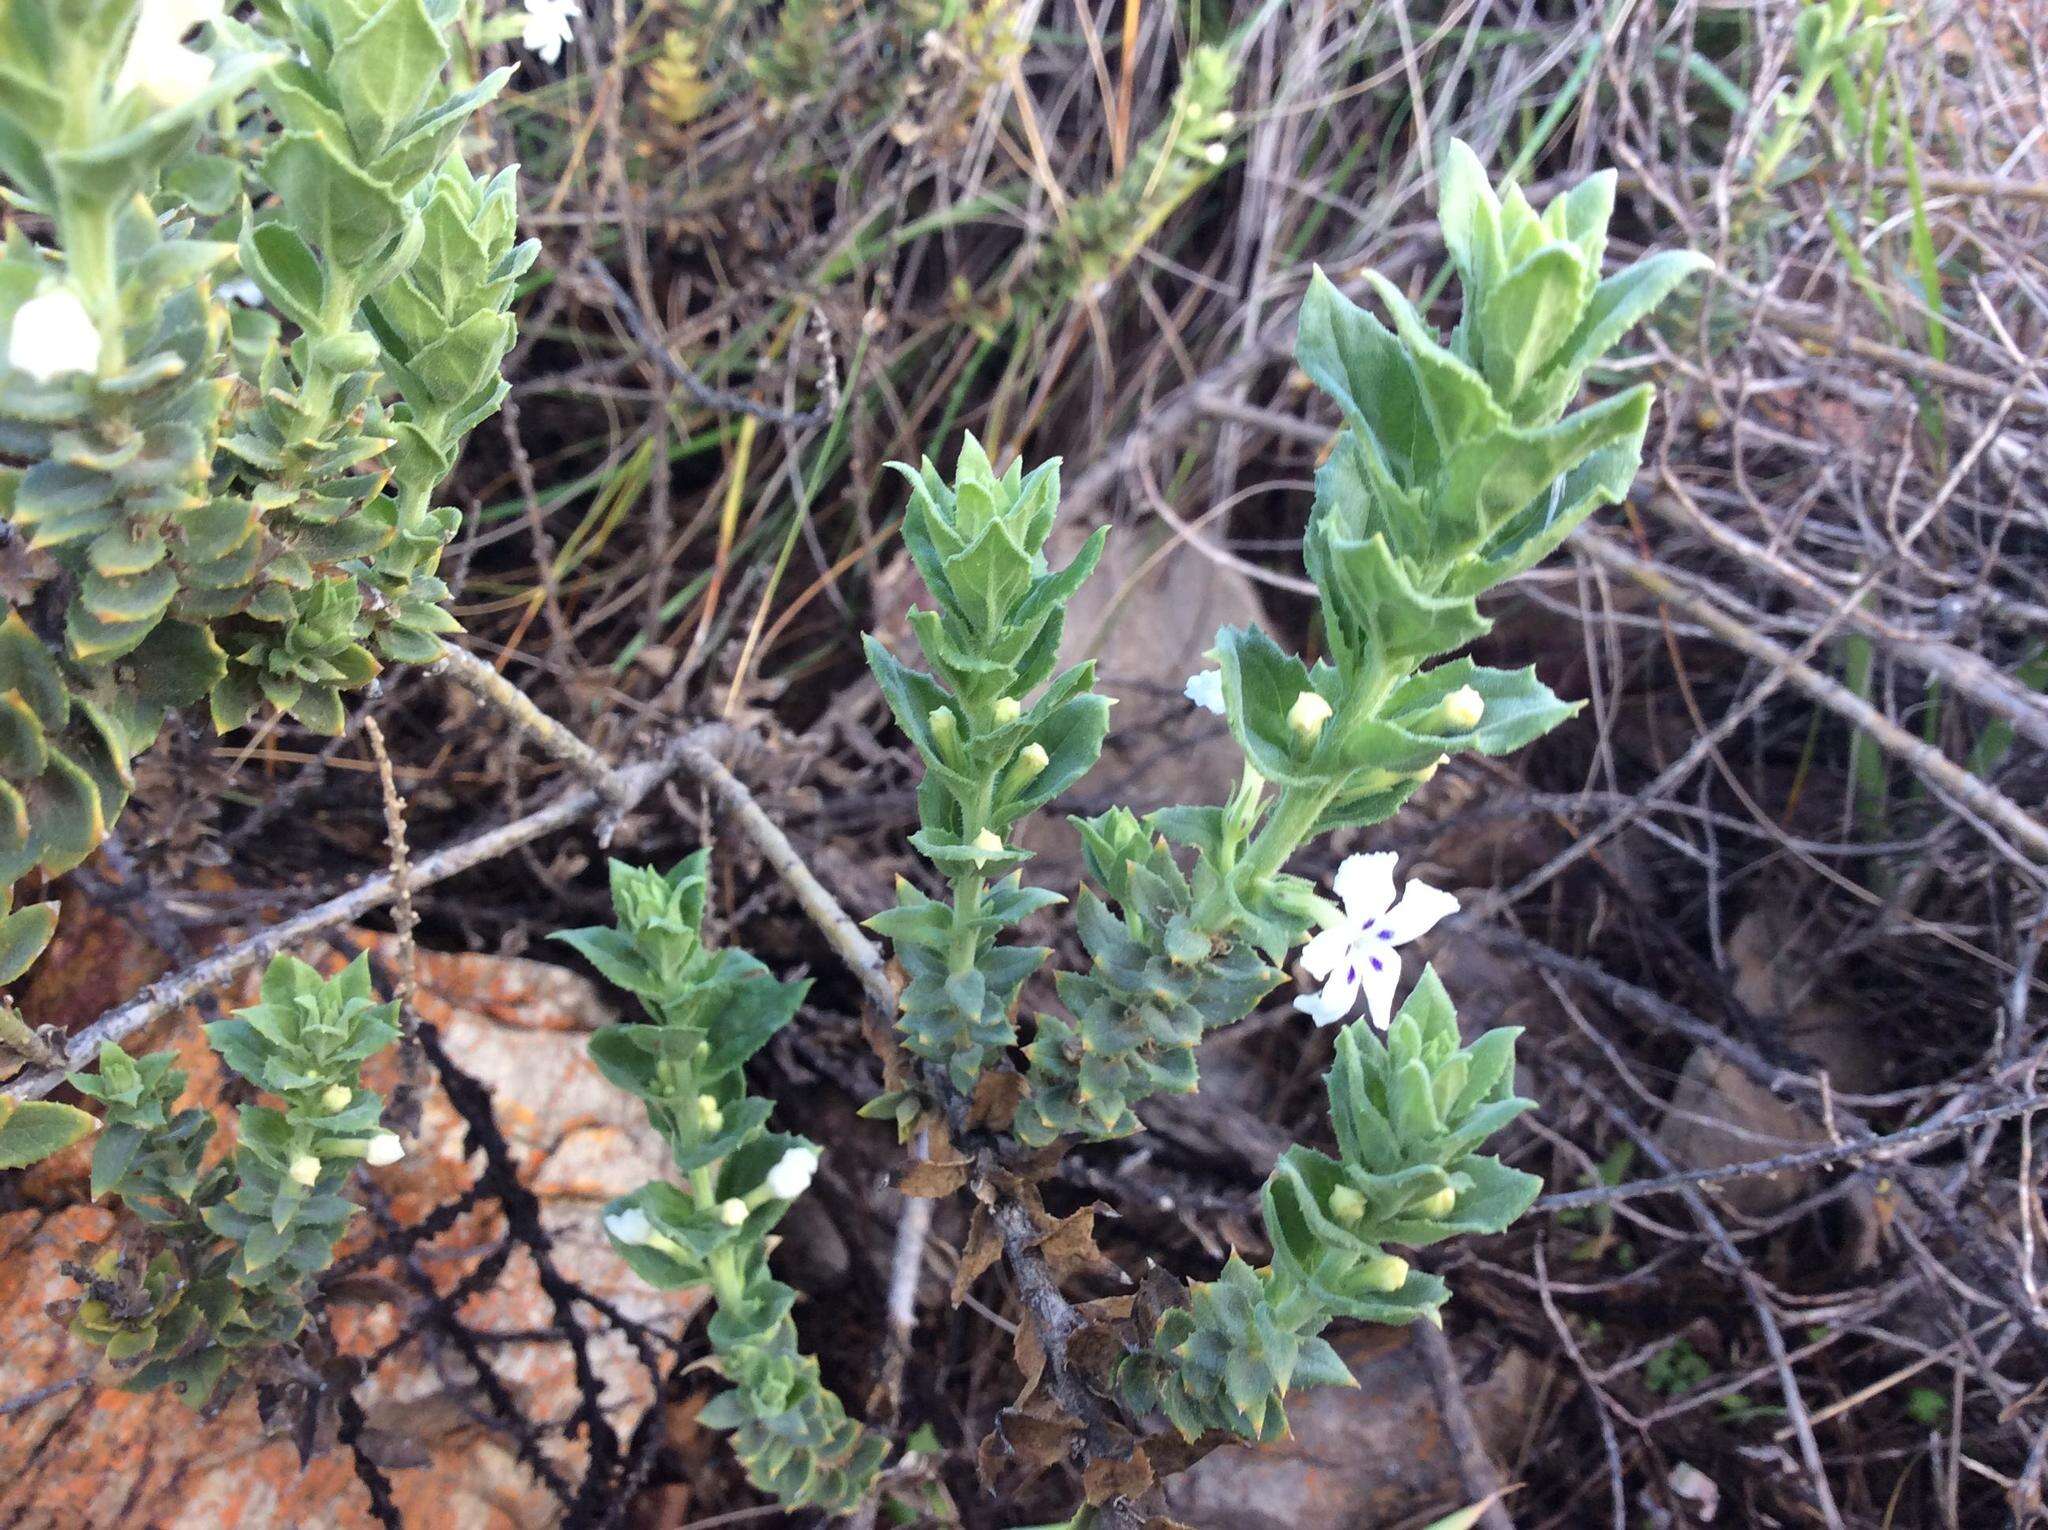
(1205, 690)
(548, 27)
(1356, 952)
(53, 335)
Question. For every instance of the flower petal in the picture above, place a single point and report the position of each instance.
(1326, 952)
(1417, 913)
(1379, 976)
(1333, 1002)
(1364, 884)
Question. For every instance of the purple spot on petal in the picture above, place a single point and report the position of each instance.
(1386, 934)
(1377, 964)
(1367, 925)
(1351, 973)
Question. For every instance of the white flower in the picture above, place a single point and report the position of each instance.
(239, 289)
(1205, 690)
(1358, 952)
(792, 1174)
(158, 63)
(304, 1170)
(548, 28)
(384, 1150)
(52, 335)
(630, 1226)
(166, 73)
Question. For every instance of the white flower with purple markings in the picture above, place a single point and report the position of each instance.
(1360, 951)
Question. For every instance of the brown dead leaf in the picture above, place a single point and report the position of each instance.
(1069, 1247)
(931, 1179)
(996, 1097)
(978, 1255)
(1109, 1477)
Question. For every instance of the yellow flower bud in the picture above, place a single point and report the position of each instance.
(335, 1097)
(732, 1213)
(1346, 1204)
(1007, 710)
(709, 1116)
(1463, 708)
(1428, 772)
(987, 842)
(945, 728)
(1439, 1205)
(1307, 716)
(1033, 758)
(1389, 1272)
(304, 1170)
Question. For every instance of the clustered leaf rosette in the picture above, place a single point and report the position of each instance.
(215, 506)
(709, 1010)
(235, 1243)
(1409, 1116)
(993, 752)
(1155, 983)
(1457, 469)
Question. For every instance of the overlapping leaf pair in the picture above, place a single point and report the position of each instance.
(708, 1011)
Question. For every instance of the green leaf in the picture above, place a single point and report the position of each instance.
(343, 213)
(23, 936)
(32, 1130)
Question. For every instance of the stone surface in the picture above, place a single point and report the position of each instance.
(93, 1456)
(1362, 1459)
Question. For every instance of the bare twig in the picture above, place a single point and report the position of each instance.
(1476, 1471)
(181, 988)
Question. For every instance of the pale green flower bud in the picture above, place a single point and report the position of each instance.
(1463, 708)
(1388, 1272)
(1006, 711)
(709, 1117)
(945, 730)
(1307, 716)
(732, 1213)
(1346, 1204)
(1439, 1205)
(304, 1170)
(987, 842)
(335, 1097)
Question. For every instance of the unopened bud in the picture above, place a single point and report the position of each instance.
(1428, 772)
(335, 1097)
(384, 1150)
(1307, 716)
(1439, 1205)
(986, 842)
(709, 1117)
(1388, 1272)
(630, 1227)
(732, 1213)
(1215, 153)
(1006, 711)
(304, 1170)
(1463, 708)
(1027, 767)
(945, 728)
(1346, 1204)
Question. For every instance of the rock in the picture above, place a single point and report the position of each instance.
(96, 1456)
(1363, 1459)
